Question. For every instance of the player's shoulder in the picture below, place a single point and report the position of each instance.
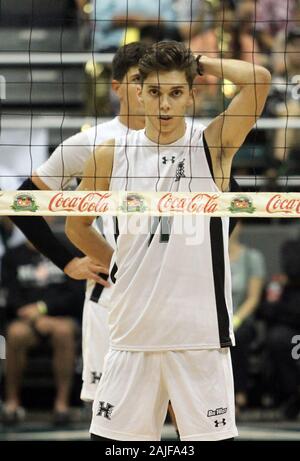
(105, 130)
(105, 151)
(131, 138)
(195, 123)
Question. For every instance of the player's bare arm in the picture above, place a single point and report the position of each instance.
(79, 229)
(39, 182)
(227, 132)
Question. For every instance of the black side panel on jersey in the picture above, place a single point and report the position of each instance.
(96, 293)
(208, 157)
(218, 263)
(164, 223)
(115, 267)
(234, 186)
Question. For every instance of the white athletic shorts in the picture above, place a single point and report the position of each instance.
(132, 398)
(95, 341)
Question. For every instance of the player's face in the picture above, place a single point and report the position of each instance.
(166, 96)
(127, 93)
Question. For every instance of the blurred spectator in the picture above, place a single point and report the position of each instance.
(195, 19)
(272, 17)
(284, 102)
(224, 29)
(10, 236)
(282, 315)
(42, 305)
(280, 43)
(248, 276)
(38, 13)
(118, 22)
(247, 46)
(220, 27)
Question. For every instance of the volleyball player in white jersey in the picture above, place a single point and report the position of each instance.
(65, 165)
(170, 304)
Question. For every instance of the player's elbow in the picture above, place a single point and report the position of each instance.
(262, 75)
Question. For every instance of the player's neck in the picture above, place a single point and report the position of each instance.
(134, 122)
(160, 137)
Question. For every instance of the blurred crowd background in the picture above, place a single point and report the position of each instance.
(55, 80)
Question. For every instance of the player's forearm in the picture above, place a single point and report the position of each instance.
(240, 73)
(90, 242)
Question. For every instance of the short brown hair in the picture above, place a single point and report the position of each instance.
(167, 56)
(126, 57)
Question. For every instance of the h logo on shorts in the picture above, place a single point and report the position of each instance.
(105, 409)
(218, 423)
(95, 378)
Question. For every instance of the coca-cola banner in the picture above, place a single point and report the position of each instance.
(68, 203)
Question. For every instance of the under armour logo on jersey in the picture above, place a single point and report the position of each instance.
(218, 423)
(169, 159)
(105, 409)
(95, 378)
(180, 170)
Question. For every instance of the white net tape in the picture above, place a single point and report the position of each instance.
(96, 203)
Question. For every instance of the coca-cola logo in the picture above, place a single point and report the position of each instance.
(281, 204)
(91, 202)
(199, 203)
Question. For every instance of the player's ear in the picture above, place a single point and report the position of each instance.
(115, 86)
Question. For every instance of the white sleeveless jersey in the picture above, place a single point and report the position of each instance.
(67, 162)
(172, 289)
